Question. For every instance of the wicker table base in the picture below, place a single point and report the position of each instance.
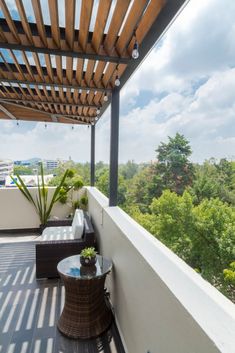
(85, 314)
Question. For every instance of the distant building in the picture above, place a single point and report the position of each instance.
(29, 180)
(51, 164)
(6, 168)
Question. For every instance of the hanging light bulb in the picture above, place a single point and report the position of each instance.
(117, 81)
(96, 118)
(17, 123)
(106, 98)
(135, 51)
(98, 111)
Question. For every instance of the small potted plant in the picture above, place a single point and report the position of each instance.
(88, 257)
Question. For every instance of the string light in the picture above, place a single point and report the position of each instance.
(106, 98)
(117, 80)
(135, 51)
(98, 111)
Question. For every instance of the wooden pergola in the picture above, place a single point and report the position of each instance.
(66, 74)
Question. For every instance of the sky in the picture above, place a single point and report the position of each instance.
(185, 85)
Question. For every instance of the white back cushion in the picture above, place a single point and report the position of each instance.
(78, 224)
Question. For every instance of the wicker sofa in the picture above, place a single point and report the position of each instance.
(50, 252)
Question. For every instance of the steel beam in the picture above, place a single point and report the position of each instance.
(52, 84)
(92, 155)
(15, 100)
(114, 139)
(67, 53)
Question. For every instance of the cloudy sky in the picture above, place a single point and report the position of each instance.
(186, 85)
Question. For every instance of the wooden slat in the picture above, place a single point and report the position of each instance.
(2, 35)
(17, 64)
(38, 66)
(9, 20)
(53, 8)
(59, 72)
(130, 24)
(89, 71)
(24, 20)
(99, 72)
(39, 20)
(85, 17)
(102, 15)
(69, 69)
(115, 24)
(147, 20)
(27, 64)
(49, 67)
(79, 70)
(69, 22)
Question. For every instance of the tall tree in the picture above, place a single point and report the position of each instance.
(174, 167)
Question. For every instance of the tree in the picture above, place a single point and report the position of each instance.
(22, 170)
(174, 167)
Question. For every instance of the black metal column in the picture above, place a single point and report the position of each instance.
(113, 174)
(92, 155)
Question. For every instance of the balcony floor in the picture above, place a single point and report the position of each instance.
(29, 309)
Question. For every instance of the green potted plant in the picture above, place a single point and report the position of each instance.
(88, 256)
(42, 204)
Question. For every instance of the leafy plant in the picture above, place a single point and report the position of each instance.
(41, 202)
(88, 253)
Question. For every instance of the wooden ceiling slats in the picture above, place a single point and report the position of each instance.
(92, 60)
(39, 20)
(9, 20)
(38, 66)
(69, 22)
(54, 17)
(17, 65)
(49, 67)
(130, 25)
(24, 20)
(115, 24)
(85, 18)
(101, 18)
(89, 71)
(27, 64)
(79, 70)
(59, 71)
(99, 72)
(69, 69)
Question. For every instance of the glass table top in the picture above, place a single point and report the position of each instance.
(71, 267)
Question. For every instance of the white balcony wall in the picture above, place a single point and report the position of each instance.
(17, 213)
(161, 304)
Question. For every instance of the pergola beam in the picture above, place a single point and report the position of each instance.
(74, 117)
(15, 100)
(4, 110)
(77, 51)
(67, 53)
(52, 84)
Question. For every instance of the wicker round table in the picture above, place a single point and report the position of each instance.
(85, 313)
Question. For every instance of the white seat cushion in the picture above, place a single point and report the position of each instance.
(78, 224)
(57, 233)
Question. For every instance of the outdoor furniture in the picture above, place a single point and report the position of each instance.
(86, 313)
(57, 243)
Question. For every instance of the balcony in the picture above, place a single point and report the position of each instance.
(160, 303)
